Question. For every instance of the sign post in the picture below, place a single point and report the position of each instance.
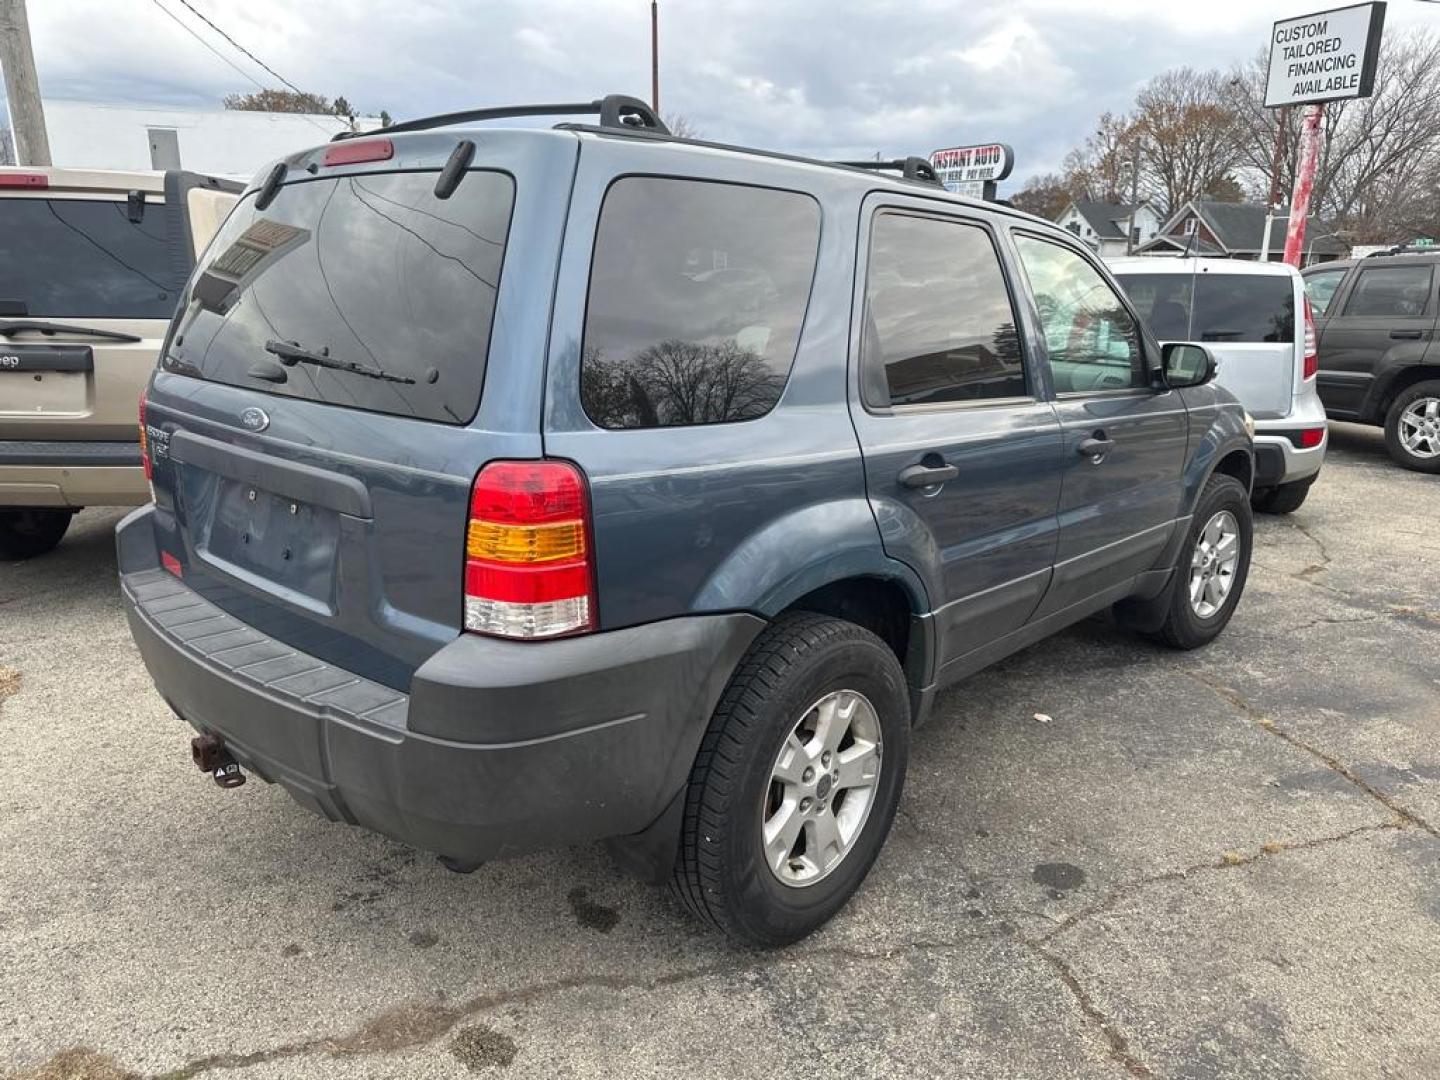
(973, 170)
(1327, 56)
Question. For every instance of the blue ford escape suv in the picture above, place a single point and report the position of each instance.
(525, 487)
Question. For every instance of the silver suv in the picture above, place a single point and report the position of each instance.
(94, 264)
(1256, 322)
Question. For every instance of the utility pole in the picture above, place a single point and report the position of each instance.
(1281, 128)
(655, 56)
(1130, 226)
(22, 88)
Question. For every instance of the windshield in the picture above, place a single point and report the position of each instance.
(85, 259)
(371, 272)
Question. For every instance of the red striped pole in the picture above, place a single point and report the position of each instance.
(1304, 182)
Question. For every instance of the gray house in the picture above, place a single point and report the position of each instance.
(1230, 230)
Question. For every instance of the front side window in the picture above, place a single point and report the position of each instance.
(938, 318)
(1092, 343)
(698, 292)
(1391, 291)
(1320, 288)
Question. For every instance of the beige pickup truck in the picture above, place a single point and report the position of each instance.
(92, 264)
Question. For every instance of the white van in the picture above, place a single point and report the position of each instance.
(1256, 322)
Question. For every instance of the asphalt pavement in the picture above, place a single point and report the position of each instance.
(1217, 864)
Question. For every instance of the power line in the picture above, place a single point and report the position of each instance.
(205, 19)
(256, 82)
(192, 32)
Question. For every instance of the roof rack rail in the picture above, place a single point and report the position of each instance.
(1407, 249)
(912, 168)
(616, 111)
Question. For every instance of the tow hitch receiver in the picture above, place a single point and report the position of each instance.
(210, 755)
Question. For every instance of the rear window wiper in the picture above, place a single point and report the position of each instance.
(10, 327)
(291, 354)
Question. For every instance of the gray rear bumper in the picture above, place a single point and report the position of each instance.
(499, 747)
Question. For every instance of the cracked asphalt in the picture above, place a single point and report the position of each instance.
(1217, 864)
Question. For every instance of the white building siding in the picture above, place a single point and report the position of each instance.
(227, 142)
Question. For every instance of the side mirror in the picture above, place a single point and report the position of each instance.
(1186, 364)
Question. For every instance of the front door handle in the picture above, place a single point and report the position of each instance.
(1407, 335)
(928, 473)
(1095, 447)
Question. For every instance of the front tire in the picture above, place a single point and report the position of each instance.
(1412, 428)
(28, 531)
(796, 782)
(1209, 573)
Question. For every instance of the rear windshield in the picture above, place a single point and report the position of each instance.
(365, 291)
(85, 259)
(1246, 308)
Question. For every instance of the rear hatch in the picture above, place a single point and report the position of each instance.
(87, 287)
(1246, 319)
(318, 418)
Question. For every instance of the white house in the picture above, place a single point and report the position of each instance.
(227, 142)
(1103, 226)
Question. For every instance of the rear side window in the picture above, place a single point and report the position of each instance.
(1244, 307)
(697, 296)
(1394, 291)
(938, 317)
(392, 288)
(85, 259)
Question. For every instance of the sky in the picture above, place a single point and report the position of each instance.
(829, 78)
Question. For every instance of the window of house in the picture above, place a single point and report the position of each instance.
(938, 321)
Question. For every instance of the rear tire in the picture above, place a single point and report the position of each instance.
(727, 872)
(27, 531)
(1283, 499)
(1412, 428)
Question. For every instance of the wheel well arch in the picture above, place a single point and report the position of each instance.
(1239, 464)
(1397, 384)
(881, 605)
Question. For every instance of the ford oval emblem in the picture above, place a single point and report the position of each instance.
(255, 419)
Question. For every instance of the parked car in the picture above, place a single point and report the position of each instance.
(1379, 361)
(513, 488)
(1245, 312)
(95, 262)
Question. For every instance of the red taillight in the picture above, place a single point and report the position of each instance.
(1311, 438)
(529, 567)
(354, 151)
(1312, 343)
(144, 440)
(23, 180)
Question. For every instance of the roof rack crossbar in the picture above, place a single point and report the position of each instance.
(616, 111)
(912, 168)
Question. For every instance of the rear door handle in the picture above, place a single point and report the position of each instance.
(1097, 446)
(928, 475)
(1407, 335)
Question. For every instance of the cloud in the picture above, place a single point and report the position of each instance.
(833, 79)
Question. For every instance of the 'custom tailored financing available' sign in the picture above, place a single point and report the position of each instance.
(973, 170)
(1325, 56)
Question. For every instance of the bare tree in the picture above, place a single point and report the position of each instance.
(1046, 195)
(287, 101)
(1188, 133)
(681, 126)
(1381, 154)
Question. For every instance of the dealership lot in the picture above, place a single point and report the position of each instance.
(1224, 863)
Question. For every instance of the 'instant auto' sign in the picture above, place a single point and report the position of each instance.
(1325, 56)
(973, 170)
